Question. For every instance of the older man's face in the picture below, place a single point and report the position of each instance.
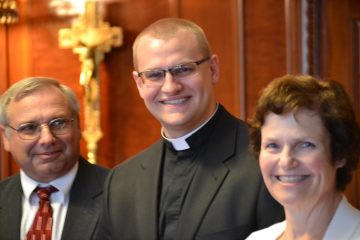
(49, 155)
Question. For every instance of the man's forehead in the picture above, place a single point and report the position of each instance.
(27, 99)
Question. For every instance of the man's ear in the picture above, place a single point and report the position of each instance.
(138, 82)
(215, 68)
(4, 138)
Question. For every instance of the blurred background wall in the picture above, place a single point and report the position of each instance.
(256, 40)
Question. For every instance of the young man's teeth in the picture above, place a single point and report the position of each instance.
(176, 101)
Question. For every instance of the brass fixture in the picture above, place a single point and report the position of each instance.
(8, 12)
(90, 37)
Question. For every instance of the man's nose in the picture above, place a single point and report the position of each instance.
(46, 136)
(171, 84)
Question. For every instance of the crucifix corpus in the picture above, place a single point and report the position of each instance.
(90, 37)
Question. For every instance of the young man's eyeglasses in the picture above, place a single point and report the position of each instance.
(31, 131)
(178, 72)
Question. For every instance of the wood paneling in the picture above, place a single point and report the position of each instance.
(7, 167)
(339, 58)
(220, 21)
(256, 41)
(303, 19)
(353, 190)
(293, 36)
(356, 67)
(265, 46)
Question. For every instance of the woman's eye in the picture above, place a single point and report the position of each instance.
(307, 144)
(271, 146)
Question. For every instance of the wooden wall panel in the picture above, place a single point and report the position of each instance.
(356, 67)
(5, 163)
(3, 57)
(340, 58)
(337, 41)
(265, 46)
(220, 21)
(354, 189)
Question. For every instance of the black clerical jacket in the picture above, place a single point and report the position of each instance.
(226, 200)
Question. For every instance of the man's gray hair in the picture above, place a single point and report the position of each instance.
(32, 84)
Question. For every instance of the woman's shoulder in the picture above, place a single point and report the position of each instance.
(269, 233)
(345, 223)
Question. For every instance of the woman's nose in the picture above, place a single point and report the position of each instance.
(287, 159)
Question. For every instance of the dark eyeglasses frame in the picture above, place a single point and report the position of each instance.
(170, 70)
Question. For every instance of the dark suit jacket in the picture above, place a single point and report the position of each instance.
(226, 200)
(83, 210)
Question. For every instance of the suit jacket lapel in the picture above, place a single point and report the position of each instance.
(209, 177)
(82, 217)
(148, 192)
(11, 210)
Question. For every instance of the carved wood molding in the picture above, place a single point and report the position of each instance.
(241, 62)
(174, 8)
(356, 67)
(353, 189)
(5, 167)
(303, 20)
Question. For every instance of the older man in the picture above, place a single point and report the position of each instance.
(39, 120)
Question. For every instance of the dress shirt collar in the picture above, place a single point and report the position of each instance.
(63, 184)
(180, 143)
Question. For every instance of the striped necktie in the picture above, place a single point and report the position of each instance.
(42, 225)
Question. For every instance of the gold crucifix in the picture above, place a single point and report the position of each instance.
(90, 37)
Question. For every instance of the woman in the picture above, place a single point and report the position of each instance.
(306, 137)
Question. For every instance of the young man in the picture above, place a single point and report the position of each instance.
(199, 181)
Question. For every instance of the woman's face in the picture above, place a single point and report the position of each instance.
(295, 158)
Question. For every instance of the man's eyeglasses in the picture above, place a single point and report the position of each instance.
(178, 72)
(31, 131)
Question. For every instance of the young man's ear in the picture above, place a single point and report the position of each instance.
(138, 82)
(215, 68)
